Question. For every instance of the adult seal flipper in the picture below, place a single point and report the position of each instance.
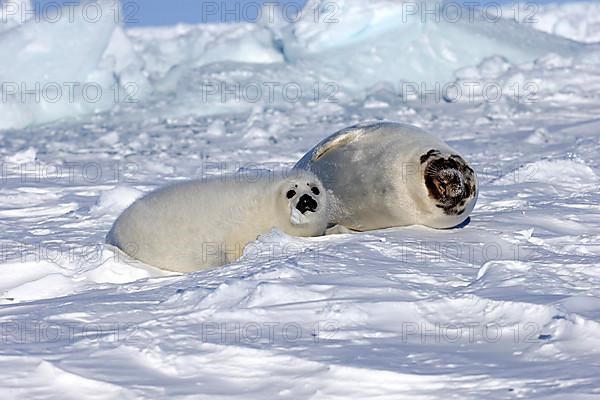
(386, 174)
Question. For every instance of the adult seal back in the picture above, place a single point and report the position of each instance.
(387, 174)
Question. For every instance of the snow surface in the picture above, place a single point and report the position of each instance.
(505, 306)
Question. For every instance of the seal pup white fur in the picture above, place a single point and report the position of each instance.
(385, 174)
(206, 223)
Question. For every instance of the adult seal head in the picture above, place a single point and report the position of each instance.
(385, 174)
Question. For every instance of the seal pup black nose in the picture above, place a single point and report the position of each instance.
(306, 203)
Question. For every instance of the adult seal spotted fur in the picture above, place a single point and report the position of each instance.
(386, 174)
(199, 224)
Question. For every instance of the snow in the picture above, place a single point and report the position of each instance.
(577, 21)
(69, 66)
(505, 306)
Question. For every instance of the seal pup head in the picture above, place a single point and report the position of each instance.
(451, 183)
(305, 200)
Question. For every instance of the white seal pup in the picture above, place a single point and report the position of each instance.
(386, 174)
(206, 223)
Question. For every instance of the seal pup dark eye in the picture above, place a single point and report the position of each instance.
(315, 191)
(290, 194)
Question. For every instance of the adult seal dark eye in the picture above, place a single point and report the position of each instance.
(315, 191)
(290, 194)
